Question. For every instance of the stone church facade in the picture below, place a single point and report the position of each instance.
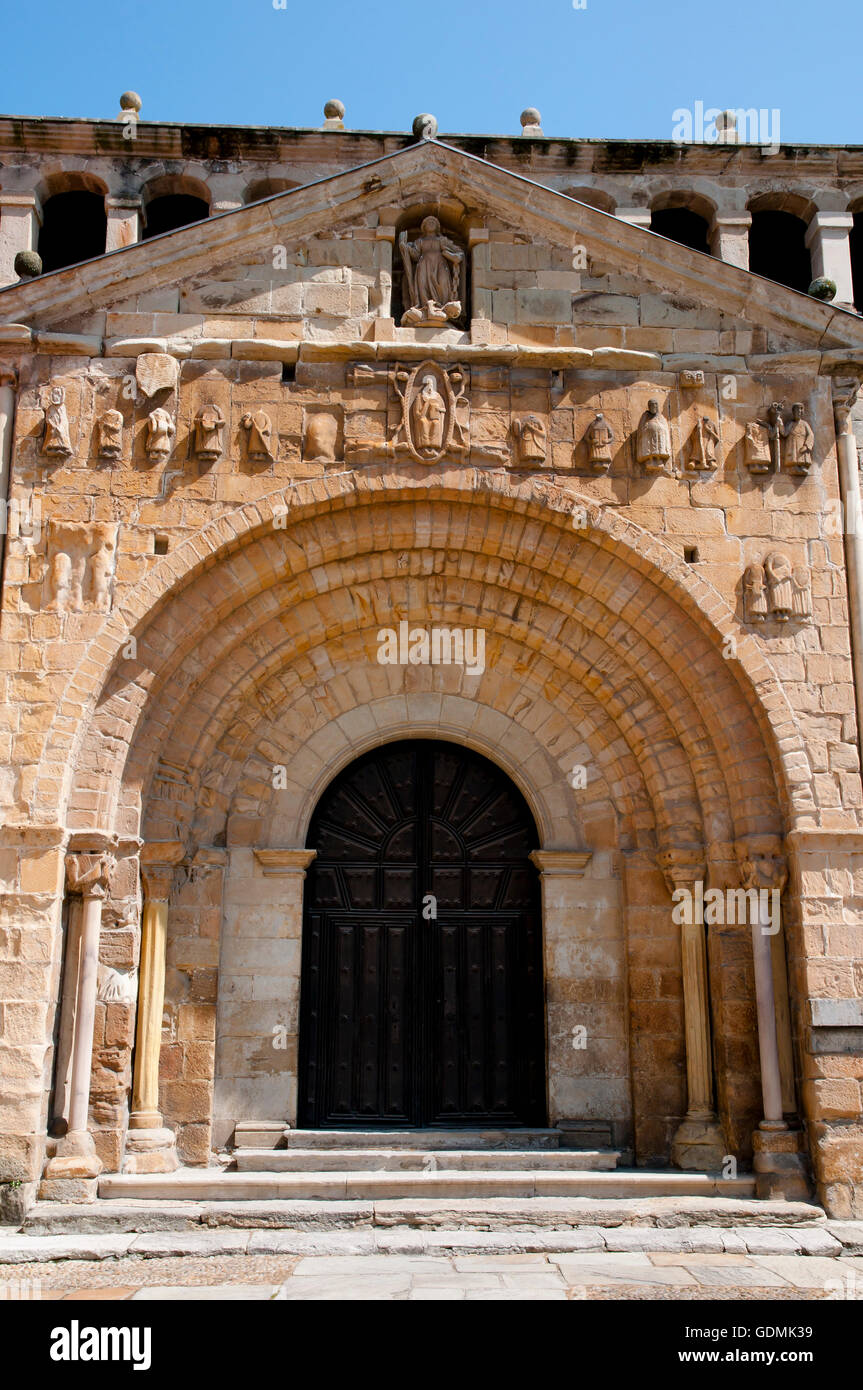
(430, 614)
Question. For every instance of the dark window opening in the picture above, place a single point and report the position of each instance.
(74, 226)
(160, 545)
(690, 554)
(173, 210)
(857, 260)
(289, 372)
(682, 225)
(777, 249)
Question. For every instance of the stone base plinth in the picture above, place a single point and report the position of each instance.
(68, 1189)
(150, 1151)
(779, 1165)
(699, 1146)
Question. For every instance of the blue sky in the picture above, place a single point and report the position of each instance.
(616, 69)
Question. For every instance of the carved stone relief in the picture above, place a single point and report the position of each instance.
(55, 441)
(774, 588)
(209, 438)
(434, 412)
(160, 433)
(599, 438)
(530, 434)
(81, 564)
(321, 436)
(259, 430)
(653, 441)
(109, 431)
(783, 445)
(703, 445)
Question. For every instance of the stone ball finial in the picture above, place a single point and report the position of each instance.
(130, 101)
(334, 110)
(27, 264)
(425, 127)
(823, 288)
(726, 128)
(530, 117)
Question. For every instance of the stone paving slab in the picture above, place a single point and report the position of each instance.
(233, 1293)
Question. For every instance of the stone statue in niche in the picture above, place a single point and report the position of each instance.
(209, 433)
(653, 446)
(434, 270)
(56, 442)
(799, 442)
(776, 589)
(110, 435)
(600, 441)
(530, 434)
(705, 438)
(757, 447)
(160, 432)
(321, 437)
(260, 434)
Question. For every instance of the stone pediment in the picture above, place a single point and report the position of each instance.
(544, 271)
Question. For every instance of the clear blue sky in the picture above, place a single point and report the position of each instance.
(616, 69)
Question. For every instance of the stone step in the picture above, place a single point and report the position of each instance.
(540, 1217)
(205, 1185)
(424, 1139)
(406, 1160)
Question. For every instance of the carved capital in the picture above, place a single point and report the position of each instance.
(569, 863)
(88, 874)
(8, 375)
(682, 866)
(158, 861)
(284, 861)
(845, 391)
(761, 862)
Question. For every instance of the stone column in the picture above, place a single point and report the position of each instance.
(778, 1162)
(828, 240)
(381, 294)
(729, 237)
(8, 382)
(124, 222)
(844, 397)
(698, 1144)
(20, 219)
(150, 1147)
(71, 1171)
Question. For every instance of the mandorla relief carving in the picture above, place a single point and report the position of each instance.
(783, 446)
(774, 588)
(81, 565)
(653, 441)
(259, 436)
(55, 441)
(434, 412)
(434, 272)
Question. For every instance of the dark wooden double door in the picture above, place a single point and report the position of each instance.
(422, 987)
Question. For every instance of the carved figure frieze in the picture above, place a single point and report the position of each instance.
(209, 433)
(705, 439)
(259, 444)
(81, 565)
(599, 437)
(434, 412)
(653, 441)
(783, 445)
(775, 588)
(530, 433)
(55, 441)
(434, 273)
(160, 435)
(109, 431)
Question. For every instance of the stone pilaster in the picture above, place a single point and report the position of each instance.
(729, 237)
(779, 1165)
(699, 1144)
(828, 239)
(845, 392)
(124, 222)
(20, 219)
(72, 1169)
(150, 1146)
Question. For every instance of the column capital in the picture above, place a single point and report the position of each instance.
(740, 219)
(158, 860)
(682, 865)
(128, 203)
(762, 862)
(284, 861)
(88, 873)
(569, 862)
(840, 222)
(845, 392)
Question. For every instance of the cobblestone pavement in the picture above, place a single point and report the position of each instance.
(285, 1265)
